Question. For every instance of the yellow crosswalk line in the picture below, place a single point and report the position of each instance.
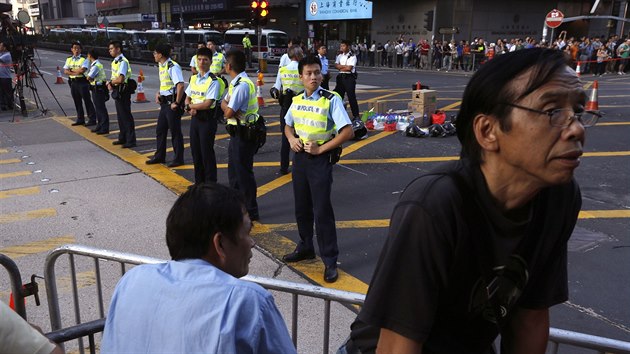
(8, 161)
(4, 151)
(27, 215)
(19, 192)
(34, 247)
(604, 214)
(15, 174)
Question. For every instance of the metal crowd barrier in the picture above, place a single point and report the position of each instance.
(557, 337)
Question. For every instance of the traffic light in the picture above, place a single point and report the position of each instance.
(428, 20)
(263, 12)
(253, 16)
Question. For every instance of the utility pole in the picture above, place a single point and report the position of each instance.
(182, 50)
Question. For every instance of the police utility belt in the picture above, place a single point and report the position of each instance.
(247, 132)
(286, 98)
(99, 86)
(334, 155)
(166, 99)
(77, 79)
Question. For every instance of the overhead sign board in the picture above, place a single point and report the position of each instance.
(448, 30)
(554, 18)
(115, 4)
(324, 10)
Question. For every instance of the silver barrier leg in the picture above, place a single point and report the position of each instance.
(326, 326)
(294, 315)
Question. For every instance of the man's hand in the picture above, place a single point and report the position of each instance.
(296, 144)
(312, 147)
(174, 106)
(157, 97)
(193, 112)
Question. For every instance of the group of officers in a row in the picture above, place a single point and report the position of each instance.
(314, 124)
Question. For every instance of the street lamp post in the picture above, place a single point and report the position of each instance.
(182, 51)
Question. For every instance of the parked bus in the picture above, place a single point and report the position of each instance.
(273, 43)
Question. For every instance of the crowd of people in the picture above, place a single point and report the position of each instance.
(597, 56)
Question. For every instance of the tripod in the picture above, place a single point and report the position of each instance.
(24, 80)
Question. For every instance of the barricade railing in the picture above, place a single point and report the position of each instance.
(557, 336)
(16, 284)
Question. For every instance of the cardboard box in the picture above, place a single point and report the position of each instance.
(421, 109)
(424, 96)
(379, 106)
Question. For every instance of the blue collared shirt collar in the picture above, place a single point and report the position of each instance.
(243, 75)
(119, 57)
(315, 96)
(205, 76)
(76, 57)
(165, 63)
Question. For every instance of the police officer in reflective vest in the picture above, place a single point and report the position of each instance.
(316, 126)
(75, 67)
(171, 99)
(217, 67)
(247, 47)
(121, 73)
(288, 84)
(240, 107)
(204, 91)
(98, 78)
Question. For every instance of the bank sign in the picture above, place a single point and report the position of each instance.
(322, 10)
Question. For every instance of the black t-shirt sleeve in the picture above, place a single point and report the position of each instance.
(412, 269)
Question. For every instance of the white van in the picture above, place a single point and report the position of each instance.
(273, 43)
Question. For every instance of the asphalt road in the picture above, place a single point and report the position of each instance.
(373, 172)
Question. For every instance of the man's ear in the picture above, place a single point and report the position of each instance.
(217, 242)
(485, 127)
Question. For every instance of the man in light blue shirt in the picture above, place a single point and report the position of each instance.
(76, 67)
(321, 54)
(196, 303)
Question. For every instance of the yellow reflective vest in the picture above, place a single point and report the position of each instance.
(198, 90)
(310, 118)
(116, 68)
(251, 115)
(166, 83)
(217, 63)
(290, 79)
(75, 63)
(100, 75)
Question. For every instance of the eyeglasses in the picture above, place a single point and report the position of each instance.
(563, 117)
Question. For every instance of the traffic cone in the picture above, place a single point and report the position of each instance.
(12, 302)
(578, 70)
(140, 97)
(593, 104)
(59, 77)
(259, 85)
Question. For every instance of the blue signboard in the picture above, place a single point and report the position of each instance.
(322, 10)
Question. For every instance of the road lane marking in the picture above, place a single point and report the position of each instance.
(19, 192)
(451, 106)
(611, 124)
(9, 161)
(383, 223)
(158, 172)
(29, 248)
(4, 151)
(15, 174)
(27, 215)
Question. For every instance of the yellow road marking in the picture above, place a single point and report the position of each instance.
(19, 192)
(279, 245)
(356, 146)
(613, 96)
(36, 246)
(27, 215)
(587, 85)
(160, 173)
(613, 106)
(4, 151)
(132, 112)
(612, 124)
(451, 106)
(8, 161)
(377, 98)
(606, 153)
(15, 174)
(383, 223)
(604, 214)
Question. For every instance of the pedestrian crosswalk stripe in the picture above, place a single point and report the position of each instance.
(19, 192)
(4, 151)
(27, 215)
(34, 247)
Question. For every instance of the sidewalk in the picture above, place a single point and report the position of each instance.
(99, 200)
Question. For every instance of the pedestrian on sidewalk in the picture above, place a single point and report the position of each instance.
(196, 302)
(98, 85)
(6, 81)
(170, 97)
(76, 67)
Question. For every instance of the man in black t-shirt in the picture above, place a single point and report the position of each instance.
(478, 247)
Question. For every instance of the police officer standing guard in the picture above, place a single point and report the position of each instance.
(121, 73)
(311, 124)
(217, 67)
(240, 107)
(75, 67)
(321, 54)
(100, 94)
(202, 94)
(171, 100)
(347, 78)
(247, 47)
(193, 60)
(287, 86)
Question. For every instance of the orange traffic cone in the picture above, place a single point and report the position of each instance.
(593, 104)
(140, 97)
(59, 77)
(578, 70)
(12, 302)
(259, 85)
